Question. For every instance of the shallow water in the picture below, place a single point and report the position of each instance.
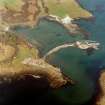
(74, 62)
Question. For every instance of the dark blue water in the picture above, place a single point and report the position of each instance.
(96, 28)
(73, 62)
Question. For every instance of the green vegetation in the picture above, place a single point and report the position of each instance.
(6, 52)
(13, 50)
(24, 52)
(11, 46)
(11, 4)
(63, 8)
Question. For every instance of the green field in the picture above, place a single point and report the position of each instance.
(67, 7)
(11, 4)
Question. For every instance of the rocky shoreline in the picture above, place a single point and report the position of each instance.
(100, 98)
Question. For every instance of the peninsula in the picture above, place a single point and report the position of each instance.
(19, 58)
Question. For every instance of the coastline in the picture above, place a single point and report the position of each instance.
(67, 21)
(40, 12)
(26, 61)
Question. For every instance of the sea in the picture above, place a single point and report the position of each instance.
(83, 68)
